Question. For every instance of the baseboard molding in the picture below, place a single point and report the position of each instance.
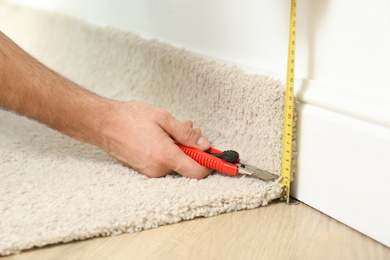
(343, 169)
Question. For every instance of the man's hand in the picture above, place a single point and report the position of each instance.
(139, 135)
(143, 137)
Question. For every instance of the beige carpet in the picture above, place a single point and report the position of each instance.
(54, 189)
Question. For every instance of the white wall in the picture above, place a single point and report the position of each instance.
(343, 71)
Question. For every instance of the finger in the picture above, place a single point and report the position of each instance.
(189, 123)
(186, 166)
(183, 132)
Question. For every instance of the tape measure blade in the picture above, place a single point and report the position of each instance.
(289, 107)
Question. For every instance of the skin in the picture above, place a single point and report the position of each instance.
(139, 135)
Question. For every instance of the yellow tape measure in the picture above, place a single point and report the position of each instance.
(289, 108)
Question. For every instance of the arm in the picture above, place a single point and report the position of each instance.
(137, 134)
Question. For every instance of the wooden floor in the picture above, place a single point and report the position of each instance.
(278, 231)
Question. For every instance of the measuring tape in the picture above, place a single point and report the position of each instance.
(289, 108)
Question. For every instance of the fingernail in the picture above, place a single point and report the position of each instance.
(203, 143)
(200, 141)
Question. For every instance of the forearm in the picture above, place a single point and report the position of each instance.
(30, 88)
(138, 134)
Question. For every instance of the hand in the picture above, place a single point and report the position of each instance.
(143, 137)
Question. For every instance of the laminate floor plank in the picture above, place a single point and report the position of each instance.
(278, 231)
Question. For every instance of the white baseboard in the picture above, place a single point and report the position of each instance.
(343, 156)
(343, 169)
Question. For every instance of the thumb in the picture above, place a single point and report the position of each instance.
(185, 134)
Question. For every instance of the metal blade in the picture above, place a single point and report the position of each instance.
(255, 172)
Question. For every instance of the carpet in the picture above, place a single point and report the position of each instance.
(54, 189)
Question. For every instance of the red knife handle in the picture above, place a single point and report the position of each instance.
(209, 160)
